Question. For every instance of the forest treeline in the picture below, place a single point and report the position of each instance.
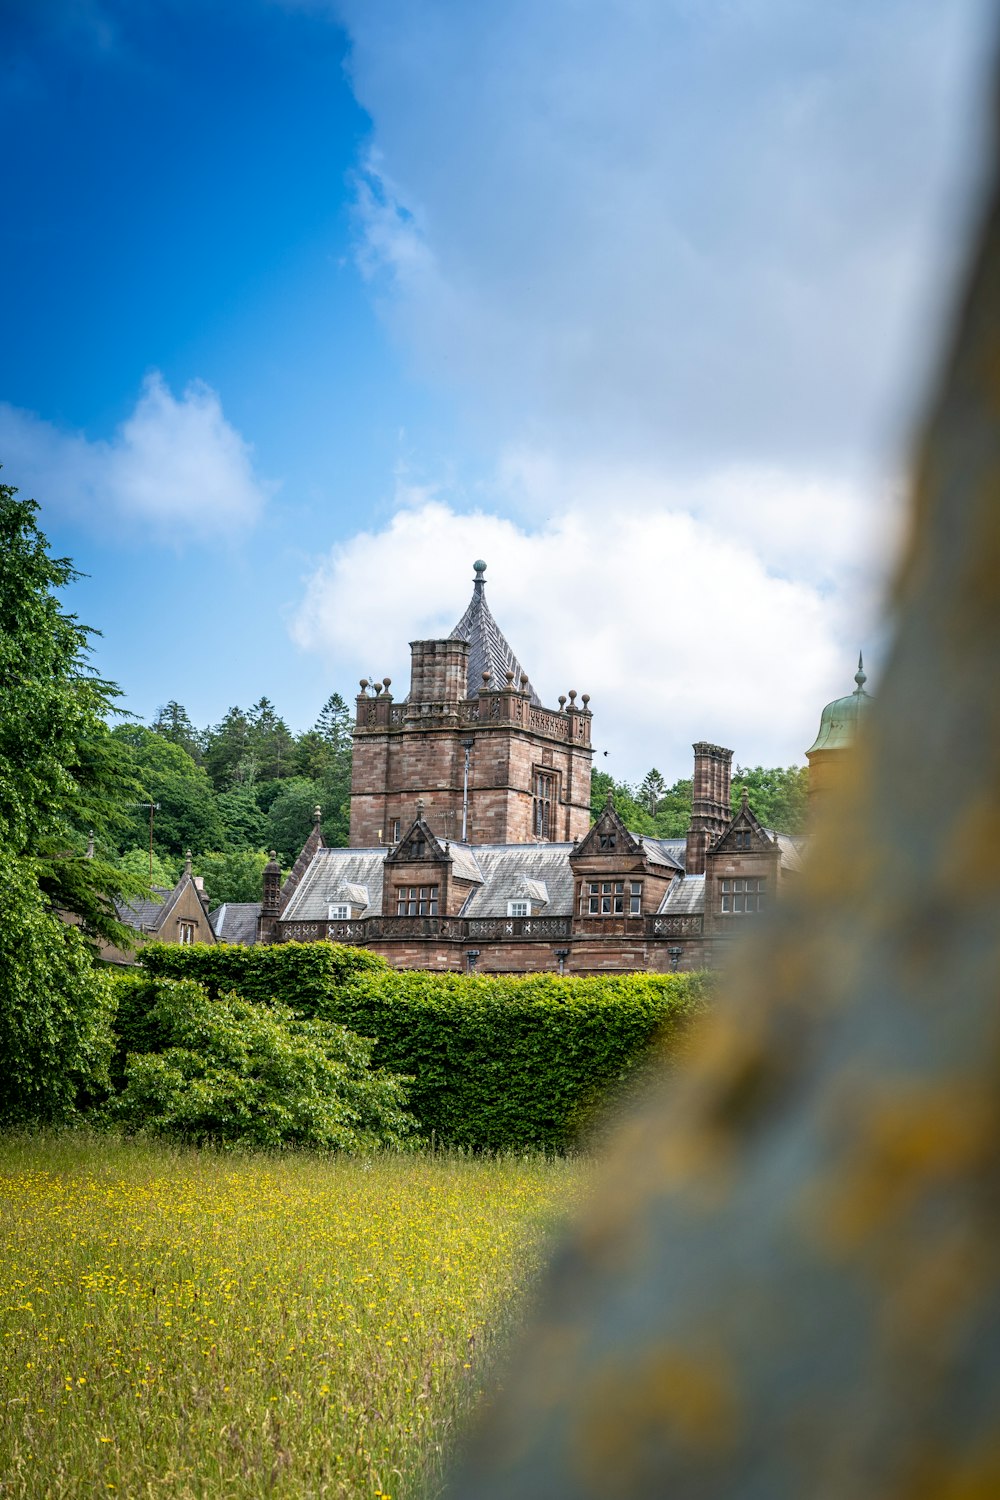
(246, 785)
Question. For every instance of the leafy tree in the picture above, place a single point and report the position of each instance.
(651, 791)
(673, 811)
(172, 723)
(632, 813)
(778, 796)
(243, 822)
(270, 741)
(334, 724)
(233, 875)
(290, 818)
(166, 872)
(226, 749)
(187, 816)
(60, 773)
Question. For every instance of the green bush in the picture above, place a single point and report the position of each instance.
(497, 1063)
(228, 1070)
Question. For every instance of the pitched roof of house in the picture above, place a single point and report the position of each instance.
(236, 921)
(489, 650)
(145, 915)
(684, 897)
(513, 872)
(326, 879)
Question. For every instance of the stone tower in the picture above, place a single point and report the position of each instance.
(472, 743)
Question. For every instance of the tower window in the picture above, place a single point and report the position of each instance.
(545, 791)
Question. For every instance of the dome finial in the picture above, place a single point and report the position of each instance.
(859, 676)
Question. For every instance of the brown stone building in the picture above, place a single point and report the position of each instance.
(471, 846)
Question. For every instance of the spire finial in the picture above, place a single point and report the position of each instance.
(859, 676)
(317, 814)
(187, 861)
(745, 797)
(480, 578)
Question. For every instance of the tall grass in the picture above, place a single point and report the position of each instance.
(176, 1323)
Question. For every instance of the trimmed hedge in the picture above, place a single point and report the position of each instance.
(497, 1062)
(302, 975)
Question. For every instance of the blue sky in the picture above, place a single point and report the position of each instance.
(306, 306)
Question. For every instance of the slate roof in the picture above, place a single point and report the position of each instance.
(235, 921)
(328, 875)
(684, 897)
(793, 847)
(488, 646)
(465, 865)
(510, 869)
(669, 852)
(144, 916)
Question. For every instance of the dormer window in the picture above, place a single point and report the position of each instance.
(607, 840)
(519, 908)
(743, 838)
(339, 911)
(417, 847)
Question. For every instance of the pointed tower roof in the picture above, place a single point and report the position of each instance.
(489, 650)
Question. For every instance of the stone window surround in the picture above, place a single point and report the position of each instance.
(607, 898)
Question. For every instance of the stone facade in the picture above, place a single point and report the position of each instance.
(471, 846)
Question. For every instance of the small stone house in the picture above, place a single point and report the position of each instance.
(179, 915)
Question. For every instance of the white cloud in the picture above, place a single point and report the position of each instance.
(176, 469)
(683, 267)
(715, 234)
(677, 631)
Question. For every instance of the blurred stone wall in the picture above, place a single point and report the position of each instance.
(787, 1285)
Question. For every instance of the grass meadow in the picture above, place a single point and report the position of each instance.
(181, 1323)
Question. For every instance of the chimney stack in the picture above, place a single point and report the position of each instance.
(710, 810)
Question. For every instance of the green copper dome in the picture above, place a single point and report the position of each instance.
(838, 726)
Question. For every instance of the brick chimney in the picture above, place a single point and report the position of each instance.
(710, 810)
(438, 673)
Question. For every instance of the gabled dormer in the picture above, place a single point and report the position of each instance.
(417, 875)
(614, 875)
(742, 869)
(745, 834)
(417, 845)
(608, 837)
